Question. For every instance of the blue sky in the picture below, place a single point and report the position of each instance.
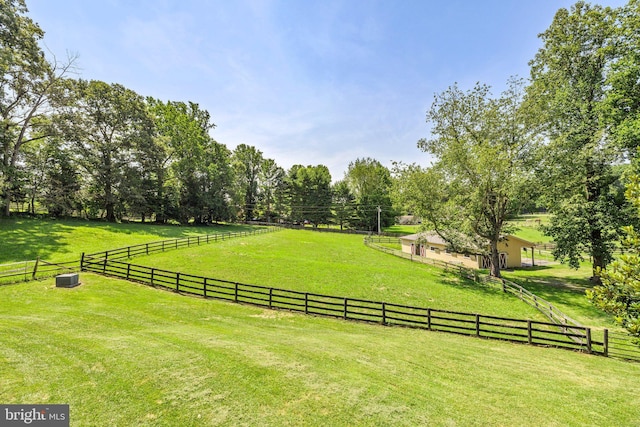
(306, 82)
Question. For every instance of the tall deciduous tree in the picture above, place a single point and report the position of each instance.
(271, 184)
(106, 124)
(481, 148)
(567, 97)
(309, 189)
(61, 193)
(29, 86)
(623, 81)
(247, 161)
(192, 172)
(370, 183)
(343, 204)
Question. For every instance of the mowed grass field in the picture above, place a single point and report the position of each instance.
(339, 265)
(123, 354)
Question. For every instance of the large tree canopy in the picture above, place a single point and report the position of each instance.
(567, 100)
(29, 86)
(106, 124)
(370, 184)
(482, 150)
(309, 189)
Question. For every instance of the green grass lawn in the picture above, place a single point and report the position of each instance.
(565, 288)
(529, 227)
(122, 354)
(340, 265)
(65, 240)
(406, 229)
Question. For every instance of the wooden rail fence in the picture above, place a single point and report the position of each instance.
(172, 244)
(493, 327)
(34, 269)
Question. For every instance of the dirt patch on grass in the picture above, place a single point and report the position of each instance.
(273, 314)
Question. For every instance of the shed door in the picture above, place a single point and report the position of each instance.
(503, 260)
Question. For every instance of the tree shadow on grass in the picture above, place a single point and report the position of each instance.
(566, 293)
(27, 239)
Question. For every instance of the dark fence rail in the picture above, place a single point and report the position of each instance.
(34, 269)
(492, 327)
(184, 242)
(622, 346)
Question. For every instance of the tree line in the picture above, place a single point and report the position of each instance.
(88, 148)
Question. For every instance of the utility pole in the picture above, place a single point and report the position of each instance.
(379, 210)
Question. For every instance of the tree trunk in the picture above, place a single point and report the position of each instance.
(111, 216)
(7, 202)
(598, 254)
(495, 259)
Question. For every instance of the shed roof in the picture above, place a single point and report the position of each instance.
(428, 236)
(433, 237)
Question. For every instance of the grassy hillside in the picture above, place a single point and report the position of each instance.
(65, 240)
(341, 265)
(123, 354)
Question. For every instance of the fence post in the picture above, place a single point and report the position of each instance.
(588, 334)
(163, 246)
(128, 251)
(428, 318)
(605, 343)
(128, 270)
(147, 248)
(104, 264)
(35, 269)
(306, 303)
(384, 313)
(504, 286)
(345, 308)
(529, 332)
(236, 293)
(82, 262)
(204, 288)
(177, 282)
(477, 325)
(152, 274)
(270, 297)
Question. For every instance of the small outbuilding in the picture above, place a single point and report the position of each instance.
(430, 245)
